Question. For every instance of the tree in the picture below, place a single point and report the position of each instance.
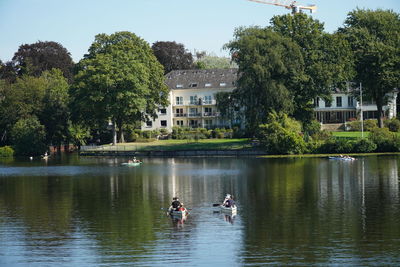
(55, 113)
(33, 59)
(209, 61)
(375, 39)
(270, 69)
(29, 137)
(21, 99)
(120, 80)
(327, 57)
(7, 71)
(172, 56)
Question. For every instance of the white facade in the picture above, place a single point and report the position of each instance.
(345, 107)
(192, 99)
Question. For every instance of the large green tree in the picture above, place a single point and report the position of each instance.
(120, 80)
(327, 57)
(172, 56)
(270, 70)
(375, 39)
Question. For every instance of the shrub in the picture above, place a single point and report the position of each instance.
(278, 140)
(312, 128)
(336, 145)
(370, 124)
(29, 137)
(384, 139)
(6, 151)
(364, 145)
(393, 124)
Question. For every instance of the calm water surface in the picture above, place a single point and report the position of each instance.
(72, 211)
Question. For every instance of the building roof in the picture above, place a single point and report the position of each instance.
(200, 79)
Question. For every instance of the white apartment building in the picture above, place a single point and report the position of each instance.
(345, 107)
(192, 99)
(193, 104)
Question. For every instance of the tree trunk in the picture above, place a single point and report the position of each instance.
(120, 132)
(380, 113)
(114, 133)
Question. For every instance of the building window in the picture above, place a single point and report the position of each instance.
(328, 103)
(193, 100)
(350, 101)
(163, 123)
(316, 102)
(149, 123)
(163, 111)
(179, 100)
(207, 99)
(208, 85)
(179, 123)
(193, 85)
(207, 123)
(338, 101)
(222, 84)
(179, 112)
(207, 111)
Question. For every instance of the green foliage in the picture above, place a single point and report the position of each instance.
(120, 80)
(210, 61)
(271, 67)
(55, 113)
(393, 124)
(78, 134)
(385, 140)
(29, 137)
(364, 145)
(327, 57)
(336, 145)
(375, 40)
(355, 126)
(6, 151)
(312, 128)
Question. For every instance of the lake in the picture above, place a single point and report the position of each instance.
(84, 211)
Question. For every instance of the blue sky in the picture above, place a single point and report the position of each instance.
(198, 24)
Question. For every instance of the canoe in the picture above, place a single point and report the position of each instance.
(228, 210)
(131, 163)
(342, 158)
(176, 213)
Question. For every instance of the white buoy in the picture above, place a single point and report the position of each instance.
(31, 158)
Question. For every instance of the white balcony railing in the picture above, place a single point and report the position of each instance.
(195, 103)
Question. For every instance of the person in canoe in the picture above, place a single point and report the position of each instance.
(228, 201)
(176, 204)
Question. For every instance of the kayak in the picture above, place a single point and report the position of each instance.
(228, 210)
(131, 163)
(342, 158)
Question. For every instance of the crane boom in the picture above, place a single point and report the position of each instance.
(288, 4)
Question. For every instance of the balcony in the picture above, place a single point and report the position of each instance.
(210, 114)
(179, 115)
(199, 102)
(192, 115)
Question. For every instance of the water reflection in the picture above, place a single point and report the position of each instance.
(91, 211)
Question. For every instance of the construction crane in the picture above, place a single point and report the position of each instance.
(289, 4)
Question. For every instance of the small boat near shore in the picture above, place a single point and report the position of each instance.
(131, 164)
(342, 158)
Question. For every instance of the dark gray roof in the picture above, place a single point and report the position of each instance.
(211, 78)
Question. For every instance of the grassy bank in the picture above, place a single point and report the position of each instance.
(349, 134)
(179, 145)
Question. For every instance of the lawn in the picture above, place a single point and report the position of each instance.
(176, 145)
(349, 134)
